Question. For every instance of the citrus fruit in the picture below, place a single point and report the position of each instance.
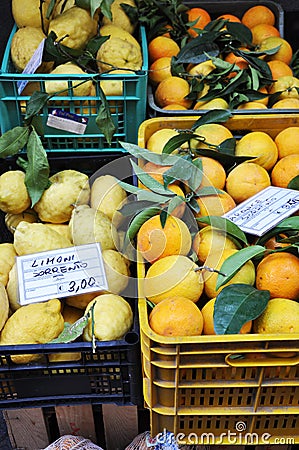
(280, 316)
(287, 141)
(202, 69)
(198, 18)
(173, 276)
(260, 145)
(258, 14)
(286, 103)
(232, 58)
(284, 52)
(160, 69)
(162, 46)
(287, 86)
(262, 31)
(155, 242)
(279, 274)
(285, 170)
(252, 105)
(176, 316)
(173, 90)
(211, 133)
(245, 180)
(208, 319)
(14, 197)
(215, 103)
(213, 172)
(229, 17)
(159, 138)
(215, 205)
(175, 107)
(245, 275)
(279, 69)
(210, 240)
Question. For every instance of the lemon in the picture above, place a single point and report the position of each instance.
(107, 195)
(119, 17)
(28, 13)
(7, 260)
(37, 323)
(78, 88)
(4, 306)
(113, 318)
(12, 220)
(118, 53)
(88, 225)
(68, 188)
(37, 237)
(74, 26)
(14, 197)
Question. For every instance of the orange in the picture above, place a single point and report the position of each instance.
(160, 69)
(229, 17)
(286, 103)
(162, 46)
(213, 172)
(285, 170)
(176, 316)
(202, 69)
(245, 180)
(211, 240)
(235, 59)
(260, 145)
(279, 69)
(211, 133)
(155, 242)
(280, 316)
(258, 14)
(208, 319)
(252, 105)
(159, 138)
(284, 53)
(156, 171)
(173, 90)
(279, 274)
(287, 85)
(245, 275)
(215, 205)
(199, 18)
(175, 107)
(263, 31)
(173, 276)
(287, 141)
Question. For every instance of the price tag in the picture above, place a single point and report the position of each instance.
(67, 121)
(32, 66)
(60, 273)
(264, 210)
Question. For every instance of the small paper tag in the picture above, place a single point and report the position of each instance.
(32, 65)
(64, 120)
(60, 273)
(264, 210)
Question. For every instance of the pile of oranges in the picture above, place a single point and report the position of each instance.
(172, 90)
(182, 256)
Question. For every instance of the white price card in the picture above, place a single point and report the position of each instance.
(60, 273)
(67, 121)
(32, 66)
(264, 210)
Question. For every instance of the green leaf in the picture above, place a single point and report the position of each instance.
(136, 223)
(174, 203)
(212, 116)
(135, 206)
(71, 331)
(104, 120)
(208, 190)
(225, 225)
(185, 170)
(176, 141)
(288, 224)
(50, 8)
(36, 102)
(150, 182)
(12, 141)
(234, 262)
(197, 51)
(143, 153)
(235, 305)
(57, 52)
(37, 172)
(85, 4)
(104, 5)
(294, 183)
(228, 146)
(239, 32)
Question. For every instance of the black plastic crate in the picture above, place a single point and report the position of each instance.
(109, 374)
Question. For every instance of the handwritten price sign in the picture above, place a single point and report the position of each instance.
(265, 210)
(60, 273)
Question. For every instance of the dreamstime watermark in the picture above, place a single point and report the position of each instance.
(239, 437)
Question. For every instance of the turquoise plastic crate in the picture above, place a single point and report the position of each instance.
(127, 110)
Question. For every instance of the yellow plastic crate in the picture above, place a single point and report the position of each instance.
(223, 389)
